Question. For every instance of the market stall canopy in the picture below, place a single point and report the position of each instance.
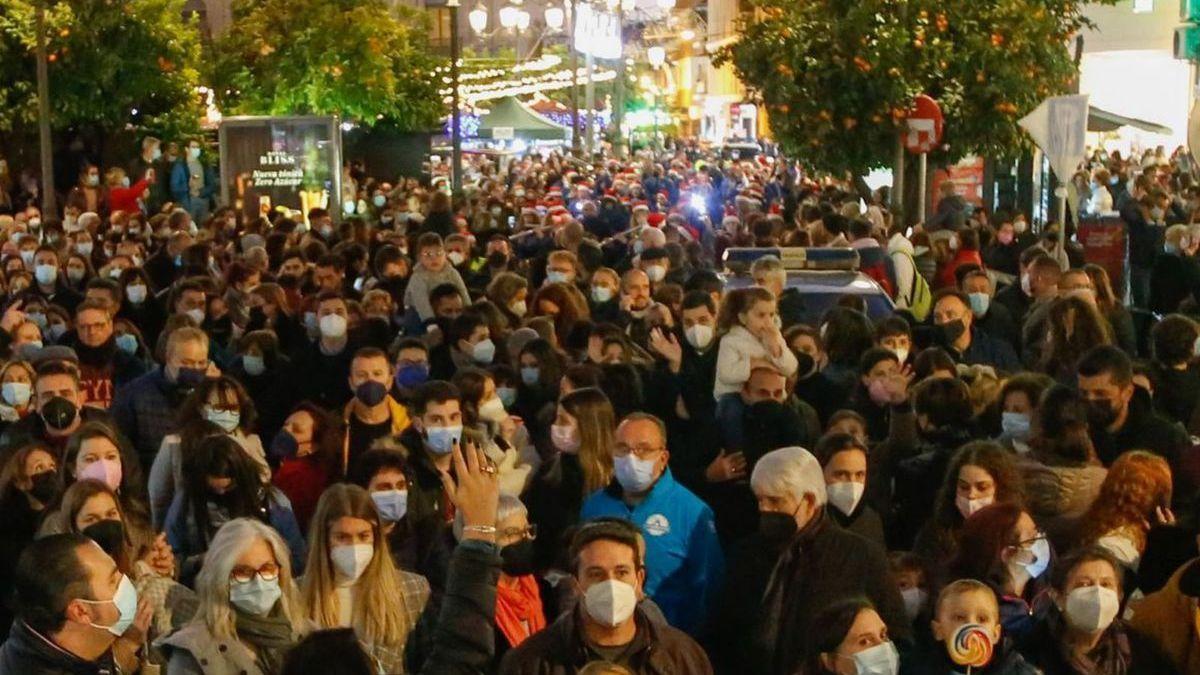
(1103, 120)
(509, 118)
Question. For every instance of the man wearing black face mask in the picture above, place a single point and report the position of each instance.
(1121, 417)
(952, 314)
(145, 408)
(58, 400)
(797, 563)
(372, 414)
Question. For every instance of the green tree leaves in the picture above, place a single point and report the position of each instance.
(837, 76)
(358, 59)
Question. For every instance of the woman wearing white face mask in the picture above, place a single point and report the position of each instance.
(850, 638)
(503, 437)
(1002, 547)
(979, 474)
(139, 305)
(1081, 632)
(351, 580)
(16, 390)
(217, 406)
(249, 613)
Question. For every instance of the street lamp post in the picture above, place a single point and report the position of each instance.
(455, 112)
(574, 64)
(49, 201)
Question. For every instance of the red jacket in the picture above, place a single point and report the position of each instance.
(946, 278)
(126, 199)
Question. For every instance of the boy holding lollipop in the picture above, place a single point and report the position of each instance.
(967, 638)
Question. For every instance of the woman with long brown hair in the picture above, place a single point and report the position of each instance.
(351, 581)
(1073, 326)
(1113, 309)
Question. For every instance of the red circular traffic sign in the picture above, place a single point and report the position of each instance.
(923, 126)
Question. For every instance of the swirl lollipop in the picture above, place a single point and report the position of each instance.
(971, 646)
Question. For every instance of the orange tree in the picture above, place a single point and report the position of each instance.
(364, 60)
(837, 76)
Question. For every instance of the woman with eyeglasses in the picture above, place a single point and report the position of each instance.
(1001, 546)
(351, 581)
(222, 484)
(519, 609)
(216, 406)
(249, 613)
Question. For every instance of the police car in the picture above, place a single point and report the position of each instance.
(822, 275)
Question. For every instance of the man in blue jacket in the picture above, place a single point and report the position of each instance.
(684, 564)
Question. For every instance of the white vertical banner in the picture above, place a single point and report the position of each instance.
(1059, 127)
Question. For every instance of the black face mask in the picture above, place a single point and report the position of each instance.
(776, 527)
(1101, 414)
(952, 330)
(804, 364)
(257, 316)
(108, 534)
(284, 446)
(59, 413)
(517, 559)
(44, 486)
(190, 378)
(371, 393)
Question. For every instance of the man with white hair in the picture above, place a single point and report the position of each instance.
(768, 272)
(798, 563)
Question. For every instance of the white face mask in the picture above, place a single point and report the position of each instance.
(610, 603)
(332, 326)
(969, 506)
(656, 273)
(518, 308)
(492, 410)
(699, 336)
(914, 601)
(845, 495)
(351, 561)
(901, 354)
(882, 659)
(1092, 609)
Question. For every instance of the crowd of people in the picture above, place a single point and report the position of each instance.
(540, 426)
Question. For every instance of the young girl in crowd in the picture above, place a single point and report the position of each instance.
(750, 338)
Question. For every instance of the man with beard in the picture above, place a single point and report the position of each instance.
(102, 366)
(1121, 417)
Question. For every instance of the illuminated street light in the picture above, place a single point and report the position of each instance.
(478, 18)
(509, 16)
(522, 20)
(666, 4)
(656, 56)
(555, 17)
(688, 34)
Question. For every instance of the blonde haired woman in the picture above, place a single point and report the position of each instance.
(351, 581)
(248, 615)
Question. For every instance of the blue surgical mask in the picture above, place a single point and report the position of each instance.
(253, 364)
(601, 293)
(979, 303)
(228, 420)
(391, 504)
(556, 277)
(440, 440)
(256, 596)
(126, 601)
(633, 473)
(127, 342)
(508, 396)
(1015, 425)
(412, 375)
(530, 375)
(56, 331)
